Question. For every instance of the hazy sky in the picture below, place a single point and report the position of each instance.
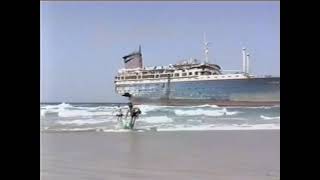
(82, 43)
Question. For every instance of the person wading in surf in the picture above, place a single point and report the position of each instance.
(119, 115)
(134, 113)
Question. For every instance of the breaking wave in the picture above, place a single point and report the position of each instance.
(67, 110)
(156, 119)
(101, 117)
(202, 112)
(269, 118)
(86, 121)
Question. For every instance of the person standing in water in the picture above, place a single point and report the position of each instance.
(119, 114)
(134, 113)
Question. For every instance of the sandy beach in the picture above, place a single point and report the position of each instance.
(225, 155)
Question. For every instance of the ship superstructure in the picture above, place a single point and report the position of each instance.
(194, 82)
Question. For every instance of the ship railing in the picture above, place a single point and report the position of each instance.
(234, 71)
(264, 76)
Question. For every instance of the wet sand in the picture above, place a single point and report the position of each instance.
(218, 155)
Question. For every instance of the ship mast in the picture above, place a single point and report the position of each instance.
(206, 48)
(244, 64)
(141, 56)
(247, 63)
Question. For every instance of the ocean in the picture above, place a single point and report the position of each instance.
(101, 117)
(84, 141)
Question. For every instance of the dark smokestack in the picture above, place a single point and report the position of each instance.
(133, 60)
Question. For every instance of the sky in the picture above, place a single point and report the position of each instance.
(82, 43)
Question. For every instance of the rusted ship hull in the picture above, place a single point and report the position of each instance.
(240, 92)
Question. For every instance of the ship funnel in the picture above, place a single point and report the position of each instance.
(133, 60)
(247, 62)
(244, 59)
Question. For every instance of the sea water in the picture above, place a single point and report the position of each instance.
(101, 117)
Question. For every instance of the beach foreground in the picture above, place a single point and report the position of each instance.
(219, 155)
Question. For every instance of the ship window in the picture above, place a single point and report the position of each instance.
(222, 76)
(183, 70)
(171, 75)
(157, 76)
(164, 75)
(148, 76)
(121, 77)
(131, 77)
(196, 73)
(237, 75)
(184, 74)
(176, 74)
(190, 73)
(205, 73)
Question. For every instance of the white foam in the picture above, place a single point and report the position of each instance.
(269, 118)
(42, 112)
(75, 113)
(147, 108)
(156, 119)
(87, 121)
(254, 107)
(62, 105)
(194, 120)
(206, 105)
(199, 112)
(99, 108)
(61, 108)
